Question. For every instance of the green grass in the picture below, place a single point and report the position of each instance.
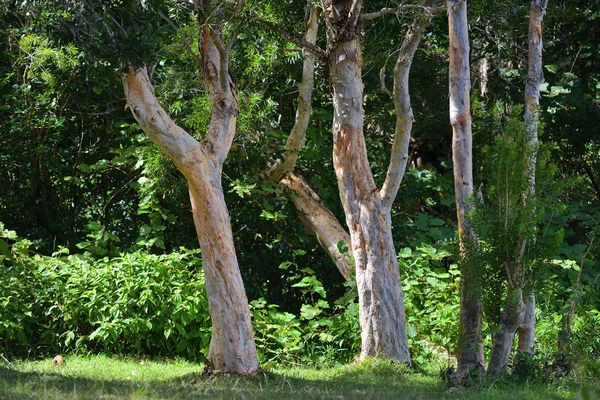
(100, 377)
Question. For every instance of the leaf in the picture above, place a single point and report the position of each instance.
(342, 247)
(309, 312)
(406, 252)
(4, 249)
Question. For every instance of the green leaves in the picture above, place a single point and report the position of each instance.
(132, 303)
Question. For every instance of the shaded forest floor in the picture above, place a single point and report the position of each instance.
(100, 377)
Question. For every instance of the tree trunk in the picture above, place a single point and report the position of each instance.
(535, 77)
(381, 302)
(527, 328)
(503, 339)
(232, 348)
(316, 218)
(321, 222)
(470, 345)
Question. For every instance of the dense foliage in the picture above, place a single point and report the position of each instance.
(97, 221)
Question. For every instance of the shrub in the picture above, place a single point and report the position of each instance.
(137, 302)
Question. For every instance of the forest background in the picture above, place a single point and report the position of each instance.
(97, 241)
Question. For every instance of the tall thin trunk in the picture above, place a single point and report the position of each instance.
(470, 345)
(532, 103)
(316, 218)
(484, 70)
(232, 347)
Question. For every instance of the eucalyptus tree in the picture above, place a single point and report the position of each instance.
(367, 207)
(532, 116)
(519, 311)
(232, 347)
(316, 218)
(470, 346)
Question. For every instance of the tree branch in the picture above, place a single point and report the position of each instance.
(404, 114)
(404, 7)
(297, 137)
(320, 221)
(311, 47)
(174, 141)
(183, 38)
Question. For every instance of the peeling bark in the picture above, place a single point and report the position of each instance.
(484, 69)
(381, 302)
(503, 339)
(470, 346)
(316, 218)
(232, 348)
(527, 328)
(535, 77)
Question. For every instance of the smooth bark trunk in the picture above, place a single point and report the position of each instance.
(404, 113)
(321, 222)
(532, 103)
(527, 328)
(470, 346)
(232, 348)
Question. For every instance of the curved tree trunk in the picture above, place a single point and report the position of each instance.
(470, 345)
(316, 218)
(319, 221)
(512, 317)
(535, 77)
(232, 348)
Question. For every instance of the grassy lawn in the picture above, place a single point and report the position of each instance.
(100, 377)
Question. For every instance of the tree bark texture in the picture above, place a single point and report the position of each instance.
(381, 302)
(503, 339)
(470, 346)
(232, 348)
(534, 80)
(321, 222)
(404, 113)
(316, 218)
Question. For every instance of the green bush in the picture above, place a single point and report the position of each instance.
(149, 304)
(134, 303)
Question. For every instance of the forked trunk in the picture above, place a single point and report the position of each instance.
(532, 104)
(232, 348)
(316, 218)
(381, 302)
(470, 344)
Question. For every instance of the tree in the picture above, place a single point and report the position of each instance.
(367, 208)
(519, 311)
(232, 347)
(532, 116)
(470, 346)
(316, 218)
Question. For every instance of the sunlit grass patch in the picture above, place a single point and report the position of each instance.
(102, 377)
